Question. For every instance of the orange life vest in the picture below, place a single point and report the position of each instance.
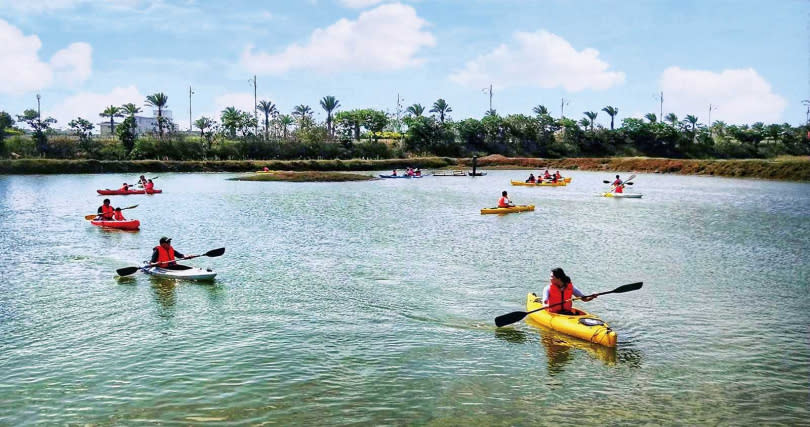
(118, 216)
(165, 258)
(149, 186)
(619, 189)
(555, 296)
(503, 202)
(107, 212)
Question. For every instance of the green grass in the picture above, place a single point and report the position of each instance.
(308, 176)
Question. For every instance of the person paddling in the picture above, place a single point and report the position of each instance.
(149, 186)
(118, 216)
(165, 255)
(504, 201)
(142, 180)
(124, 187)
(531, 179)
(546, 175)
(106, 211)
(559, 290)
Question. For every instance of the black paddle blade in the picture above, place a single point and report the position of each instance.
(215, 252)
(510, 318)
(606, 181)
(126, 271)
(627, 288)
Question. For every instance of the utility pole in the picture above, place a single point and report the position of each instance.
(661, 100)
(807, 115)
(190, 92)
(489, 91)
(255, 101)
(563, 103)
(39, 115)
(399, 108)
(711, 130)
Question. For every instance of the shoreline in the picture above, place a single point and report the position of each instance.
(784, 169)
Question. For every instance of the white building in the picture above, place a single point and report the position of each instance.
(144, 125)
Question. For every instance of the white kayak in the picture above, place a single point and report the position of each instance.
(622, 195)
(187, 273)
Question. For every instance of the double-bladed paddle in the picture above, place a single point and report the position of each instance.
(93, 216)
(515, 316)
(126, 271)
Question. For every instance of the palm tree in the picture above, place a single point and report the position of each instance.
(584, 123)
(158, 100)
(285, 121)
(415, 110)
(329, 103)
(651, 117)
(268, 108)
(302, 112)
(230, 118)
(540, 110)
(492, 113)
(612, 111)
(202, 124)
(672, 118)
(441, 107)
(591, 117)
(131, 109)
(692, 120)
(111, 112)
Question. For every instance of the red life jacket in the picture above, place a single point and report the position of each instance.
(555, 296)
(619, 189)
(503, 202)
(107, 212)
(149, 186)
(118, 216)
(165, 258)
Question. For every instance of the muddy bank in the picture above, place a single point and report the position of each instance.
(789, 169)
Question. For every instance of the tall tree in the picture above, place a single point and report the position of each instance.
(268, 109)
(672, 118)
(540, 110)
(82, 129)
(303, 113)
(130, 109)
(231, 119)
(611, 111)
(441, 108)
(158, 100)
(330, 104)
(692, 120)
(651, 117)
(286, 120)
(32, 118)
(415, 110)
(591, 117)
(202, 124)
(6, 122)
(112, 111)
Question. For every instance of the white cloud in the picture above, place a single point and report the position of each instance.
(359, 4)
(88, 105)
(539, 59)
(385, 38)
(21, 69)
(740, 95)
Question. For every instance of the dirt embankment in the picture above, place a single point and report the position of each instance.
(790, 168)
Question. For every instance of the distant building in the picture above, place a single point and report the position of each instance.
(144, 125)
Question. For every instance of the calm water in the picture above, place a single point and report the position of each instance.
(373, 303)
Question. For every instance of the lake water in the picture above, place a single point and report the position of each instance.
(373, 303)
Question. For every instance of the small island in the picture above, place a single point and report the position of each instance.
(307, 176)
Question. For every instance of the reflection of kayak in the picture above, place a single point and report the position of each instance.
(264, 171)
(109, 192)
(518, 208)
(450, 173)
(583, 325)
(558, 346)
(185, 273)
(476, 173)
(130, 224)
(540, 184)
(622, 195)
(399, 176)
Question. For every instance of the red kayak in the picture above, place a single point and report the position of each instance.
(109, 192)
(129, 224)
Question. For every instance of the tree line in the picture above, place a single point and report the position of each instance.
(370, 133)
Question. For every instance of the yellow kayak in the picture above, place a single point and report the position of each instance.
(622, 195)
(539, 184)
(583, 325)
(518, 208)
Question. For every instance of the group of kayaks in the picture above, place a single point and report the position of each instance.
(120, 192)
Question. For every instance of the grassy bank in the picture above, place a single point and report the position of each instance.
(783, 168)
(306, 176)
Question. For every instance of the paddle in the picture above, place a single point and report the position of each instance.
(515, 316)
(608, 182)
(126, 271)
(93, 216)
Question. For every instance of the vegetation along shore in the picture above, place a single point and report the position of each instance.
(781, 168)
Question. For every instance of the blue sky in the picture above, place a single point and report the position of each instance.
(750, 59)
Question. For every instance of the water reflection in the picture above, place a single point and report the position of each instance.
(165, 295)
(512, 335)
(561, 349)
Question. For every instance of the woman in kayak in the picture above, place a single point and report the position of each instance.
(165, 255)
(531, 179)
(124, 187)
(118, 216)
(557, 175)
(106, 211)
(149, 186)
(559, 291)
(504, 201)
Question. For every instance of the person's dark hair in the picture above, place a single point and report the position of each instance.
(617, 176)
(106, 201)
(560, 274)
(503, 193)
